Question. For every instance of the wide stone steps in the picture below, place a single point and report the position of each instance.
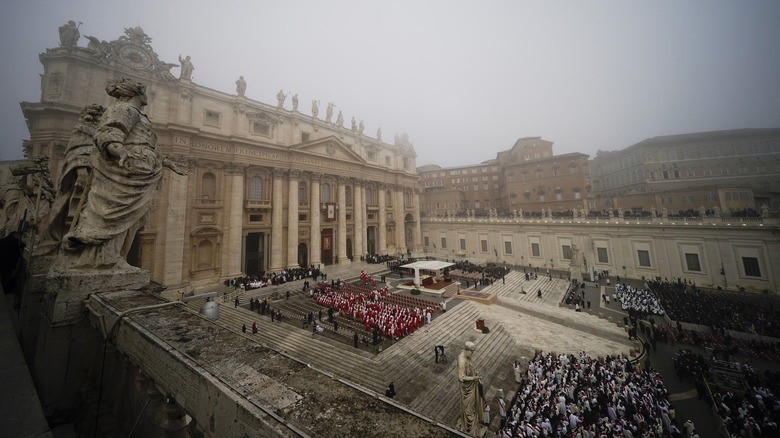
(443, 400)
(413, 363)
(302, 345)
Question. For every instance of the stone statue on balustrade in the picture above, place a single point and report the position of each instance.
(74, 175)
(186, 68)
(19, 197)
(354, 124)
(471, 393)
(124, 182)
(241, 86)
(295, 102)
(280, 98)
(340, 120)
(379, 134)
(315, 108)
(69, 34)
(329, 113)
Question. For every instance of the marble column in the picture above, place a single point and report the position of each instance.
(342, 231)
(235, 220)
(292, 219)
(399, 215)
(314, 200)
(417, 246)
(357, 215)
(382, 232)
(277, 207)
(175, 230)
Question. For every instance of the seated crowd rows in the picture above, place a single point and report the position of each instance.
(579, 396)
(641, 301)
(752, 413)
(392, 320)
(717, 309)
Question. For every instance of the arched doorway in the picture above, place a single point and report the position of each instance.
(303, 255)
(349, 249)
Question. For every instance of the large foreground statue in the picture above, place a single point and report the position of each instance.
(124, 183)
(471, 398)
(75, 172)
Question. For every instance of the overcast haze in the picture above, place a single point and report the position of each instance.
(464, 79)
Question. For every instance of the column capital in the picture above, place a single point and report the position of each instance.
(294, 173)
(235, 168)
(278, 172)
(315, 176)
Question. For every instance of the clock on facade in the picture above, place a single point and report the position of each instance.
(135, 57)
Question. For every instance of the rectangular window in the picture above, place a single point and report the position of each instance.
(666, 200)
(535, 250)
(709, 197)
(443, 243)
(687, 198)
(752, 269)
(485, 186)
(602, 255)
(577, 195)
(484, 178)
(507, 247)
(692, 260)
(644, 258)
(558, 196)
(425, 240)
(566, 252)
(538, 174)
(525, 176)
(462, 244)
(255, 218)
(476, 186)
(261, 128)
(555, 171)
(541, 197)
(211, 118)
(483, 245)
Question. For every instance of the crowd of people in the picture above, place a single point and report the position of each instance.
(264, 279)
(490, 271)
(718, 310)
(376, 258)
(640, 301)
(393, 321)
(577, 396)
(753, 413)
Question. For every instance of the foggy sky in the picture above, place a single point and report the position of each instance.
(463, 79)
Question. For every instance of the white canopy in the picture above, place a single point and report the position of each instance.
(432, 265)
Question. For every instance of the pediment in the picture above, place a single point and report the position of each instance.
(330, 147)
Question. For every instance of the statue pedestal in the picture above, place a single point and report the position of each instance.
(66, 290)
(66, 335)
